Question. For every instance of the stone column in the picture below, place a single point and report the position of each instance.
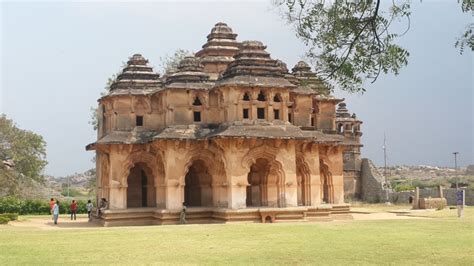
(237, 190)
(236, 175)
(289, 188)
(175, 160)
(160, 196)
(416, 201)
(117, 185)
(338, 186)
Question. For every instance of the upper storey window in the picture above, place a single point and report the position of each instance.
(139, 121)
(277, 98)
(340, 128)
(197, 117)
(260, 113)
(197, 101)
(246, 97)
(261, 97)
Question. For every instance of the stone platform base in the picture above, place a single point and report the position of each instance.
(201, 215)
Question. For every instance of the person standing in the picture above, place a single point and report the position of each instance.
(102, 207)
(73, 209)
(56, 212)
(89, 207)
(182, 215)
(460, 202)
(51, 205)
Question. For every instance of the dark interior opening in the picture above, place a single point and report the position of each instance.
(197, 116)
(246, 113)
(197, 102)
(261, 113)
(277, 98)
(139, 121)
(276, 114)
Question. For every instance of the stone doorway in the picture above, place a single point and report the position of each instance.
(265, 185)
(141, 187)
(303, 185)
(327, 191)
(198, 185)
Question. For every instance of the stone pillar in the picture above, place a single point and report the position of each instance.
(237, 191)
(315, 190)
(160, 196)
(236, 182)
(289, 188)
(117, 184)
(118, 197)
(174, 194)
(174, 176)
(270, 114)
(284, 112)
(440, 189)
(416, 201)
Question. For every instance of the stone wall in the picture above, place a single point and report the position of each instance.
(371, 182)
(448, 193)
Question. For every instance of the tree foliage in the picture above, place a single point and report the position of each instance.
(169, 63)
(351, 41)
(467, 38)
(26, 150)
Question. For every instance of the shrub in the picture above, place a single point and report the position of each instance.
(4, 220)
(10, 205)
(37, 206)
(11, 216)
(404, 187)
(34, 207)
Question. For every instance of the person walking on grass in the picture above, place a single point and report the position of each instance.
(56, 212)
(51, 205)
(89, 207)
(73, 208)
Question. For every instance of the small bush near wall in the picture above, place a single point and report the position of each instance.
(4, 220)
(10, 205)
(6, 217)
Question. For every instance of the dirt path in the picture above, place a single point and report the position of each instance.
(396, 214)
(46, 223)
(64, 222)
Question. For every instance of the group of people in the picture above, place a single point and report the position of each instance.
(54, 209)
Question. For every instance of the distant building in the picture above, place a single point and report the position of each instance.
(231, 133)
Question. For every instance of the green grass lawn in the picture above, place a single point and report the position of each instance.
(442, 240)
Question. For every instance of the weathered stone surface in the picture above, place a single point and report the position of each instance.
(221, 136)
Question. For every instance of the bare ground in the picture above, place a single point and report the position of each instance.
(64, 222)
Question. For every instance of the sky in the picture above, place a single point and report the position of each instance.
(57, 56)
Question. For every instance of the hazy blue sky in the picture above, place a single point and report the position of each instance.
(56, 58)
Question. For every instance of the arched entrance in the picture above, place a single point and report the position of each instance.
(198, 185)
(141, 187)
(302, 178)
(327, 193)
(265, 185)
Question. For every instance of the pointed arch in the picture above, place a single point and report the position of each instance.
(204, 177)
(303, 175)
(266, 178)
(327, 188)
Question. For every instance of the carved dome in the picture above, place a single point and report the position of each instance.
(190, 70)
(220, 47)
(302, 69)
(136, 75)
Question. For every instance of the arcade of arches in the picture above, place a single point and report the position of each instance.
(278, 180)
